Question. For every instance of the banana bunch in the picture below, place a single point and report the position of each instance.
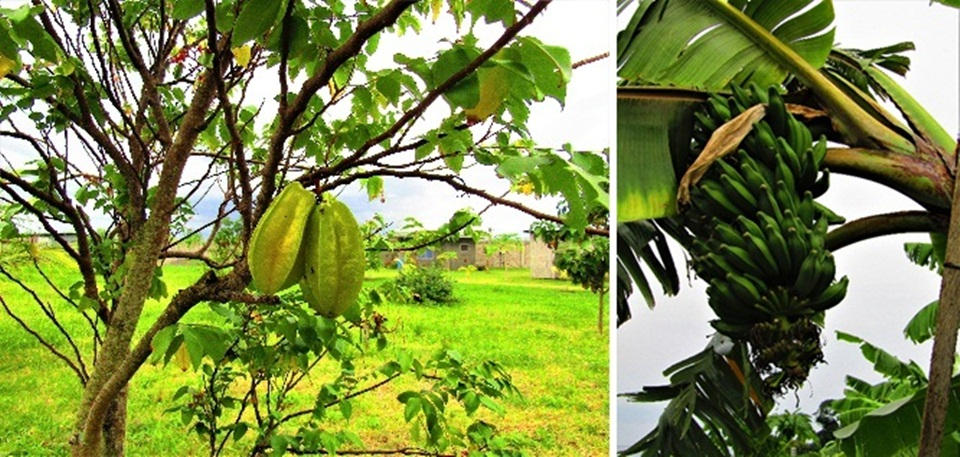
(317, 245)
(760, 236)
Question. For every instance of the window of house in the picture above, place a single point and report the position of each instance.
(463, 247)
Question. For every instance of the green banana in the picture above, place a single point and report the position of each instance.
(334, 259)
(826, 270)
(755, 179)
(820, 186)
(831, 296)
(717, 107)
(715, 193)
(749, 226)
(780, 250)
(757, 247)
(798, 249)
(766, 142)
(274, 254)
(828, 214)
(743, 289)
(759, 94)
(783, 172)
(744, 199)
(790, 156)
(819, 151)
(728, 306)
(785, 197)
(709, 125)
(800, 138)
(777, 112)
(740, 259)
(768, 202)
(807, 275)
(726, 234)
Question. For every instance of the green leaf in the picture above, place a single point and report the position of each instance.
(161, 342)
(708, 44)
(374, 186)
(493, 11)
(412, 408)
(465, 93)
(492, 405)
(893, 428)
(204, 340)
(186, 9)
(550, 66)
(389, 86)
(346, 408)
(255, 19)
(953, 3)
(884, 362)
(923, 324)
(41, 42)
(692, 44)
(517, 166)
(916, 115)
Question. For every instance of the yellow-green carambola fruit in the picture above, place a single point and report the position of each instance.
(275, 254)
(333, 259)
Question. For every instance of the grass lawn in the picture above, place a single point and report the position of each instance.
(542, 331)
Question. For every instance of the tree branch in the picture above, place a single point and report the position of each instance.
(455, 182)
(419, 109)
(383, 19)
(42, 341)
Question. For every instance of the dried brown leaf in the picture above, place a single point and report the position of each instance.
(723, 141)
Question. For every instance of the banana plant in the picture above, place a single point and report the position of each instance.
(699, 47)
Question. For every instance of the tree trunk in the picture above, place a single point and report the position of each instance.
(944, 340)
(115, 427)
(600, 315)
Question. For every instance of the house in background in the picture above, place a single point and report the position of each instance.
(532, 254)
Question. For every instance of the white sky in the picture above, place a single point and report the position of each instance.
(582, 122)
(885, 288)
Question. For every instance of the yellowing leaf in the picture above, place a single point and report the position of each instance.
(182, 358)
(435, 6)
(242, 55)
(493, 91)
(6, 65)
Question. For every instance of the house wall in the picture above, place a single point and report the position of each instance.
(508, 259)
(541, 261)
(535, 255)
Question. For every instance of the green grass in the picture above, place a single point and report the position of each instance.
(543, 332)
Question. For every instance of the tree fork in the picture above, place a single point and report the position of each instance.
(142, 263)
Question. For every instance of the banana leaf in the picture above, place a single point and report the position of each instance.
(645, 243)
(654, 126)
(693, 44)
(711, 409)
(709, 44)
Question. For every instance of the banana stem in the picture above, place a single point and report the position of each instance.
(884, 224)
(926, 181)
(854, 122)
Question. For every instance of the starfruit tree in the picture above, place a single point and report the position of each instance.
(125, 124)
(731, 117)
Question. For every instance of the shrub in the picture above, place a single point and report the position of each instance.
(426, 285)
